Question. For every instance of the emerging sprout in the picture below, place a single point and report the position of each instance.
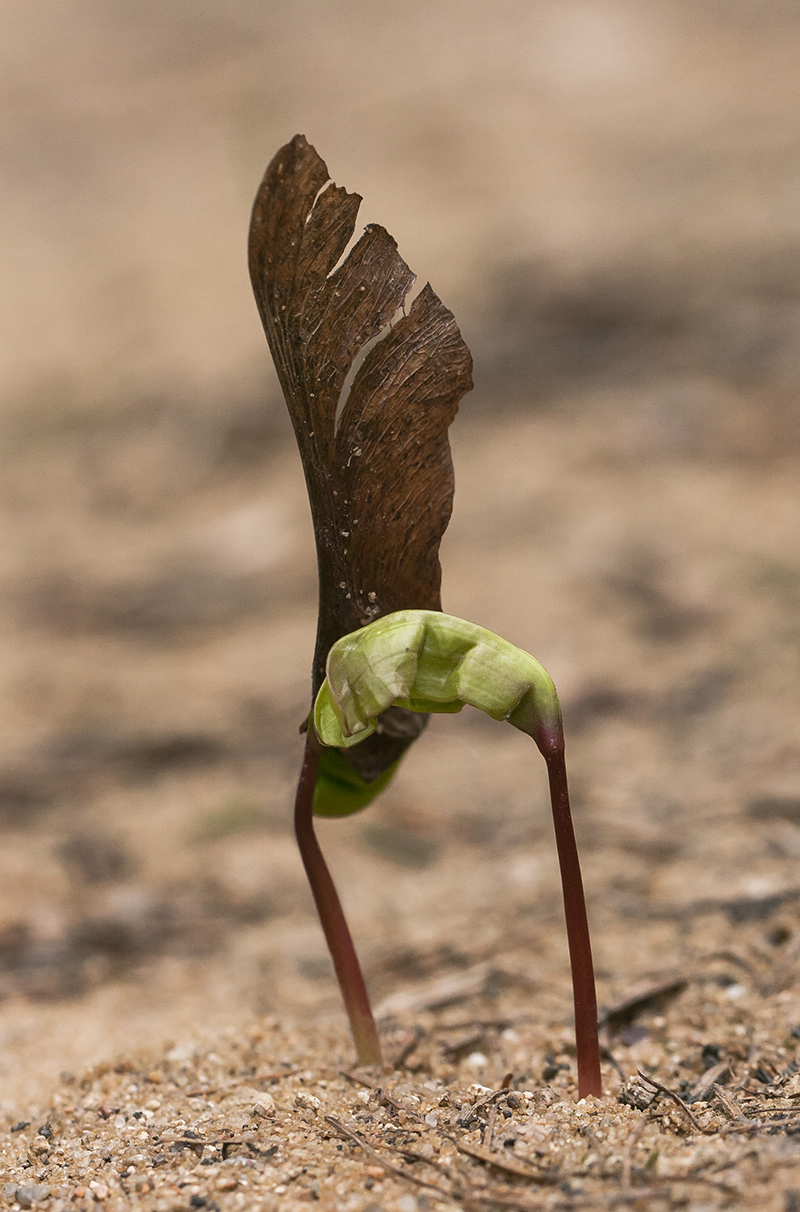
(427, 661)
(380, 482)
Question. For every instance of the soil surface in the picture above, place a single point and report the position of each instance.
(627, 509)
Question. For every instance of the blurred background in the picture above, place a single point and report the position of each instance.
(606, 195)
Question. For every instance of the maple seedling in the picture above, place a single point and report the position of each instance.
(380, 482)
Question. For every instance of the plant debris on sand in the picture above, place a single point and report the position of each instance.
(268, 1117)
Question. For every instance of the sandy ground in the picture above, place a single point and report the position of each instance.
(627, 509)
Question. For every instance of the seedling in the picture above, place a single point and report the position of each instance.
(380, 483)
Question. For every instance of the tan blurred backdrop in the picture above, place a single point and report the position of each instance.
(590, 137)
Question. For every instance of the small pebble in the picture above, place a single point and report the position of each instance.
(26, 1197)
(306, 1102)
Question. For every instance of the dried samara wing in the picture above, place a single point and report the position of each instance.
(376, 456)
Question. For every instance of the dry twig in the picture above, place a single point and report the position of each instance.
(546, 1177)
(676, 1098)
(353, 1136)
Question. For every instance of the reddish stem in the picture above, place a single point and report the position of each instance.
(580, 947)
(331, 916)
